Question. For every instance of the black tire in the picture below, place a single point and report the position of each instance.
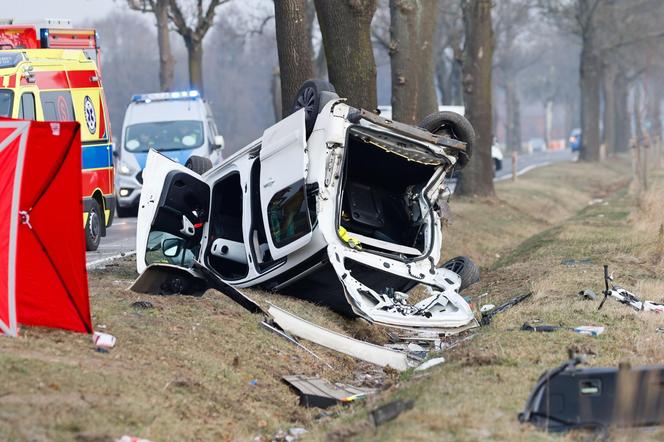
(465, 268)
(312, 96)
(127, 212)
(200, 165)
(93, 227)
(452, 125)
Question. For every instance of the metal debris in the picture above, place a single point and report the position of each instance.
(321, 393)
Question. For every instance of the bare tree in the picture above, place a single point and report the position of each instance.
(192, 22)
(411, 50)
(510, 59)
(449, 56)
(346, 29)
(166, 61)
(293, 47)
(477, 178)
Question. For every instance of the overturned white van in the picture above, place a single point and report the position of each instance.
(332, 204)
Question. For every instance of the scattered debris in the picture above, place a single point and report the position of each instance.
(575, 262)
(317, 392)
(589, 330)
(390, 411)
(488, 316)
(659, 330)
(588, 294)
(596, 398)
(626, 297)
(142, 305)
(529, 326)
(430, 363)
(344, 344)
(253, 382)
(103, 341)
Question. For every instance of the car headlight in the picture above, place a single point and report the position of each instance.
(125, 169)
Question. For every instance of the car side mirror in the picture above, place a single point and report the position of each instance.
(171, 247)
(219, 141)
(115, 151)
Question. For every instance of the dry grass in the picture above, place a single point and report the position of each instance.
(182, 370)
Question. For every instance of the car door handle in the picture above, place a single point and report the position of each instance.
(268, 182)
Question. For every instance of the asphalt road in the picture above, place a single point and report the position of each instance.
(121, 237)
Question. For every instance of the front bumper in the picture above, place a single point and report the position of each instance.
(128, 189)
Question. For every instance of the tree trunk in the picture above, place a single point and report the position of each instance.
(166, 60)
(293, 48)
(195, 55)
(609, 134)
(275, 88)
(412, 29)
(590, 89)
(477, 178)
(456, 82)
(346, 30)
(512, 116)
(621, 122)
(655, 118)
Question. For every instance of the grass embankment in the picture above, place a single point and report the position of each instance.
(185, 369)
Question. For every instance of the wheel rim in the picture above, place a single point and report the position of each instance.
(307, 100)
(93, 225)
(456, 266)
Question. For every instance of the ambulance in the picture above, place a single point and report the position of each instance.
(63, 83)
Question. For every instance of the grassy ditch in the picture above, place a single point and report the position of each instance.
(204, 369)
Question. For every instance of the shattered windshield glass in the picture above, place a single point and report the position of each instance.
(164, 135)
(6, 101)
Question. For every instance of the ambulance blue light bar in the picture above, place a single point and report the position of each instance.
(164, 96)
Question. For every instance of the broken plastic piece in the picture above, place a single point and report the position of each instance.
(430, 363)
(488, 316)
(527, 326)
(589, 330)
(336, 341)
(317, 392)
(390, 411)
(624, 296)
(588, 294)
(567, 397)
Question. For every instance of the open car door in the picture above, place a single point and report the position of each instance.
(173, 210)
(284, 205)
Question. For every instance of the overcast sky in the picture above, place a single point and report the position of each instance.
(76, 10)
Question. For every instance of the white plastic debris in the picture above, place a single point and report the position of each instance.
(589, 330)
(487, 308)
(430, 363)
(103, 340)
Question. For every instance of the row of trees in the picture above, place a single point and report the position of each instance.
(458, 52)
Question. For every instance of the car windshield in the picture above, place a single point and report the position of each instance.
(6, 101)
(164, 135)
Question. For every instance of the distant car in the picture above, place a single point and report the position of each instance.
(575, 140)
(332, 204)
(536, 145)
(177, 124)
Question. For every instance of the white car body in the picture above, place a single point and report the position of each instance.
(239, 216)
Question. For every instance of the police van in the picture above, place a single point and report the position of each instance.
(57, 84)
(177, 124)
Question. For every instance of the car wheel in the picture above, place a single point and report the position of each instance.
(312, 96)
(93, 227)
(453, 125)
(127, 212)
(465, 268)
(200, 165)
